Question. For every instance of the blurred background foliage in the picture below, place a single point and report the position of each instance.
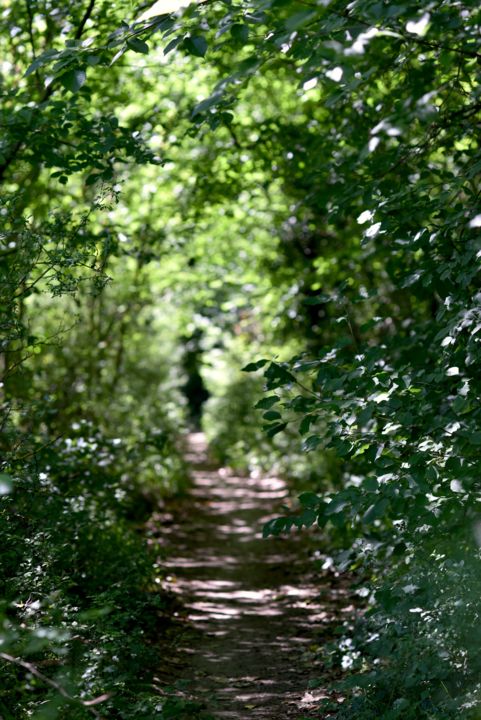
(183, 194)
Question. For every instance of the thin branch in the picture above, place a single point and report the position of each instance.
(37, 450)
(55, 685)
(84, 20)
(30, 29)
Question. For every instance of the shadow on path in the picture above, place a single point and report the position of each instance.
(249, 608)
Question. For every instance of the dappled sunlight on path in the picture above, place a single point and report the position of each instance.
(250, 610)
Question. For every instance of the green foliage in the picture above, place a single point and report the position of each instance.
(77, 582)
(393, 391)
(301, 182)
(90, 416)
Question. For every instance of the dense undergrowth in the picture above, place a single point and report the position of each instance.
(81, 604)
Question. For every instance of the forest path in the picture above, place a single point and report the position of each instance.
(251, 609)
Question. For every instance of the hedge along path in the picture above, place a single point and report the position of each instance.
(251, 609)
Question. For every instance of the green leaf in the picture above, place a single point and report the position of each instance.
(267, 402)
(365, 415)
(306, 422)
(370, 484)
(252, 367)
(207, 104)
(239, 32)
(73, 80)
(138, 45)
(309, 499)
(343, 447)
(43, 59)
(92, 179)
(173, 44)
(376, 511)
(461, 405)
(307, 518)
(299, 19)
(196, 45)
(277, 375)
(311, 443)
(275, 429)
(272, 415)
(276, 526)
(337, 504)
(475, 437)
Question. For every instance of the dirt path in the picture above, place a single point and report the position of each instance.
(250, 611)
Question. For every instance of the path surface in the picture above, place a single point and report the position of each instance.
(250, 612)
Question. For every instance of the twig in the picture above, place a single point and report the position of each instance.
(30, 30)
(55, 685)
(31, 453)
(84, 20)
